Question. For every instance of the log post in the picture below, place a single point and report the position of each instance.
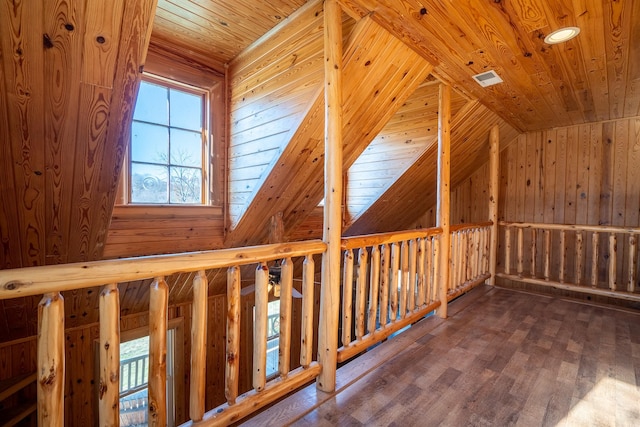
(51, 375)
(109, 387)
(332, 220)
(158, 311)
(444, 190)
(232, 359)
(494, 191)
(198, 346)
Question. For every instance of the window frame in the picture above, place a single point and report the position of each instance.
(166, 65)
(206, 150)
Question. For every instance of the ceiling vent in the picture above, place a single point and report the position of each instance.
(489, 78)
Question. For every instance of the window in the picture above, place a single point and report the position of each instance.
(168, 155)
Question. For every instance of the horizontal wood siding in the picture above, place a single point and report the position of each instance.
(149, 230)
(272, 85)
(409, 133)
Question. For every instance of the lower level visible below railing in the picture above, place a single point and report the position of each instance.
(597, 260)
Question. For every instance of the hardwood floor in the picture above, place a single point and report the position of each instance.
(502, 358)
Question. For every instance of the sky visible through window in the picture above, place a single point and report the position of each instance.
(166, 146)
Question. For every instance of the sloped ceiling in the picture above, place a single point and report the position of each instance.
(293, 184)
(595, 76)
(68, 75)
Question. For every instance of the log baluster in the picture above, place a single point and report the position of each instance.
(421, 273)
(232, 359)
(109, 386)
(411, 283)
(436, 289)
(595, 243)
(404, 281)
(361, 292)
(428, 284)
(633, 262)
(455, 243)
(547, 254)
(507, 250)
(393, 291)
(520, 253)
(286, 302)
(51, 362)
(260, 327)
(347, 297)
(494, 191)
(563, 254)
(613, 251)
(579, 258)
(374, 284)
(534, 251)
(158, 315)
(384, 284)
(308, 290)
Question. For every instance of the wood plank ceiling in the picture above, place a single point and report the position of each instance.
(595, 76)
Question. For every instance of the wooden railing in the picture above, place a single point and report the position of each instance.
(133, 374)
(600, 260)
(469, 257)
(52, 280)
(389, 281)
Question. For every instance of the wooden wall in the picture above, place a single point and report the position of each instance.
(68, 73)
(586, 174)
(272, 84)
(147, 230)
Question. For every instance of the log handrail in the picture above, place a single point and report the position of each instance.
(572, 227)
(30, 281)
(355, 242)
(471, 226)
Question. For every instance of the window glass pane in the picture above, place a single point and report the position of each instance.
(152, 104)
(186, 185)
(186, 110)
(149, 143)
(186, 148)
(149, 183)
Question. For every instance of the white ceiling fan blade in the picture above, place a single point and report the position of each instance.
(295, 293)
(252, 288)
(247, 290)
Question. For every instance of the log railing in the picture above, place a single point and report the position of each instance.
(601, 260)
(469, 257)
(51, 281)
(389, 281)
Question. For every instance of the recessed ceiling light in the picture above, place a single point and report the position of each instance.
(562, 35)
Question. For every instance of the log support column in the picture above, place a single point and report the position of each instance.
(494, 190)
(332, 223)
(444, 190)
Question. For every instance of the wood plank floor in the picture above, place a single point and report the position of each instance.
(502, 358)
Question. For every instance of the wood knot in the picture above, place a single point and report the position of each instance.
(423, 11)
(69, 27)
(100, 39)
(46, 41)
